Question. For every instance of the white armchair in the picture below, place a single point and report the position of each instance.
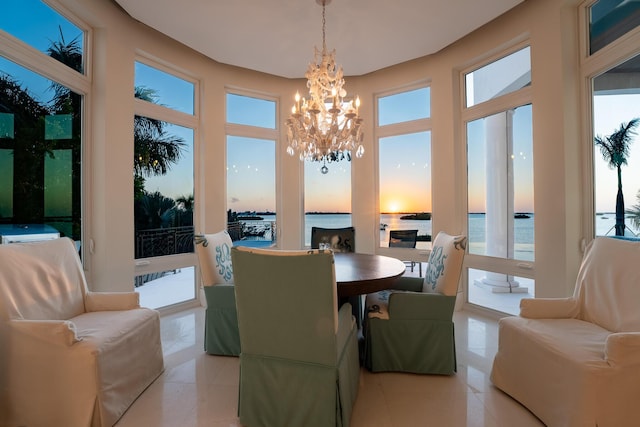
(69, 357)
(576, 361)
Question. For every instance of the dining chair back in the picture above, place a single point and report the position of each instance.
(339, 239)
(405, 239)
(299, 364)
(221, 319)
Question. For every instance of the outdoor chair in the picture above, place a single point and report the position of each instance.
(410, 328)
(405, 239)
(339, 239)
(299, 364)
(576, 361)
(221, 319)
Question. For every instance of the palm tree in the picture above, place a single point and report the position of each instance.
(615, 150)
(634, 212)
(155, 150)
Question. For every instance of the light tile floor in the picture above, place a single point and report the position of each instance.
(197, 389)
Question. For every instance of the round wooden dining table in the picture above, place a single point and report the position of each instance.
(359, 274)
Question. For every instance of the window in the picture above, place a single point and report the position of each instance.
(158, 87)
(609, 20)
(163, 171)
(404, 164)
(616, 96)
(500, 185)
(500, 219)
(506, 75)
(251, 170)
(327, 197)
(44, 29)
(41, 126)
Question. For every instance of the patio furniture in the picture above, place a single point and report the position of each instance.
(299, 362)
(405, 239)
(338, 239)
(410, 328)
(68, 356)
(576, 361)
(221, 335)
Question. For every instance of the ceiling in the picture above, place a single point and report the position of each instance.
(278, 36)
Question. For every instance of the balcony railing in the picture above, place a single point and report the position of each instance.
(164, 241)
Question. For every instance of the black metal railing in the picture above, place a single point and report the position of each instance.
(164, 241)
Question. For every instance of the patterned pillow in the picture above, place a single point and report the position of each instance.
(445, 264)
(377, 304)
(214, 255)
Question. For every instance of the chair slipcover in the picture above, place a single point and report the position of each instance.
(299, 362)
(576, 361)
(221, 319)
(410, 328)
(69, 357)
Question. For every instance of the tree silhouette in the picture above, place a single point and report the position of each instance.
(615, 150)
(634, 212)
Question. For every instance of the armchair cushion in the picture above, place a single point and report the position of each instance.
(447, 250)
(549, 308)
(111, 301)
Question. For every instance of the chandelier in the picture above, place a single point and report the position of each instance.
(324, 128)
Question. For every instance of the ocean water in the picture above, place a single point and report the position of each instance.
(523, 229)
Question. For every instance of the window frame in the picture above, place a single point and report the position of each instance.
(398, 129)
(254, 132)
(519, 98)
(591, 66)
(160, 112)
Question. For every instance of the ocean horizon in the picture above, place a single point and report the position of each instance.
(524, 231)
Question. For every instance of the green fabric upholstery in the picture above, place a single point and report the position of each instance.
(408, 329)
(221, 320)
(221, 335)
(299, 363)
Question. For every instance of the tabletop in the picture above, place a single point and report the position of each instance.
(358, 274)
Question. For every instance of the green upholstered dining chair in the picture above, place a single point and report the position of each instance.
(410, 328)
(339, 239)
(221, 320)
(299, 363)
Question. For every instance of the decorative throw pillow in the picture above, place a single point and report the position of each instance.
(214, 254)
(377, 304)
(445, 264)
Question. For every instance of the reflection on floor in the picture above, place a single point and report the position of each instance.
(197, 389)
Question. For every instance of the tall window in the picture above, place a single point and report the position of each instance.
(163, 167)
(500, 180)
(164, 129)
(616, 117)
(251, 170)
(327, 196)
(40, 125)
(616, 97)
(404, 164)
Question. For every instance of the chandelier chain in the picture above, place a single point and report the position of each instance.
(325, 128)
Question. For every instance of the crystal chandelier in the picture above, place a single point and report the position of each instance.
(324, 128)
